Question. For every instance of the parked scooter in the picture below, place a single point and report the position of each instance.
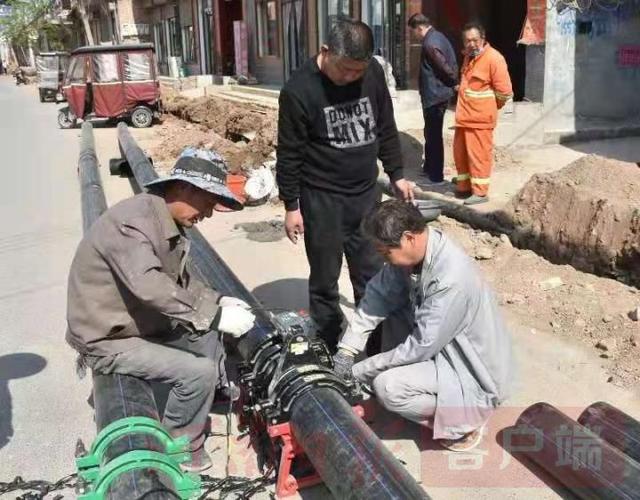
(18, 74)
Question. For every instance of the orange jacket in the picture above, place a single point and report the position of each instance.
(485, 87)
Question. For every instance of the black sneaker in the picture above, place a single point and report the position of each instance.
(227, 394)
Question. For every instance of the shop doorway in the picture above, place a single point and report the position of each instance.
(228, 12)
(503, 31)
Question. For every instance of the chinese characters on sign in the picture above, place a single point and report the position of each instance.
(578, 447)
(629, 56)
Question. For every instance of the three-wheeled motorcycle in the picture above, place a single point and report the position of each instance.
(51, 67)
(112, 82)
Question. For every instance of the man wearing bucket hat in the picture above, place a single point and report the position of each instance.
(135, 308)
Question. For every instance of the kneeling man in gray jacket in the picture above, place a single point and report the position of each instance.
(446, 360)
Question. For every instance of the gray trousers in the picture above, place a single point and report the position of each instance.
(192, 367)
(410, 390)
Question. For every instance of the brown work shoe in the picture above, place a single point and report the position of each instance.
(466, 443)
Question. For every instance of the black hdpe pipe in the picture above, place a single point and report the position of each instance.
(353, 462)
(587, 466)
(346, 453)
(620, 430)
(118, 396)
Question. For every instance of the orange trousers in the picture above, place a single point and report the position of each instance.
(473, 155)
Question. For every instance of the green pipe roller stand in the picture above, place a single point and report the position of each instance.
(97, 478)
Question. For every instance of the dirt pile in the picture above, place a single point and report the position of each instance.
(586, 215)
(245, 134)
(231, 120)
(174, 135)
(558, 299)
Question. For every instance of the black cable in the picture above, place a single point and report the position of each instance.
(242, 487)
(37, 489)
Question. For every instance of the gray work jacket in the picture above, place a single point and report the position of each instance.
(130, 278)
(455, 322)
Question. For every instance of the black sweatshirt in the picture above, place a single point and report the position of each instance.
(330, 136)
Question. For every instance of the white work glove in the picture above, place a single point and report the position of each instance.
(234, 320)
(227, 301)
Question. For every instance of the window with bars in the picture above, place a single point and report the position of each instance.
(160, 42)
(329, 12)
(188, 45)
(375, 14)
(175, 45)
(267, 16)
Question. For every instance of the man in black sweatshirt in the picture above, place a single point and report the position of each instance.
(335, 120)
(438, 79)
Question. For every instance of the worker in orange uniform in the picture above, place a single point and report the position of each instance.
(484, 88)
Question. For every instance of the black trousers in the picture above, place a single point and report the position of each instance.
(332, 228)
(434, 145)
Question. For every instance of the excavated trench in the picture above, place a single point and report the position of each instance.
(586, 215)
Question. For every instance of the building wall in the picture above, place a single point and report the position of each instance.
(604, 88)
(134, 21)
(534, 82)
(585, 80)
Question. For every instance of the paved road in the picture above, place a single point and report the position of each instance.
(43, 408)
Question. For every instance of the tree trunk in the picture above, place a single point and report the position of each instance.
(82, 10)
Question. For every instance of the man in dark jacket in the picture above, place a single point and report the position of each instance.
(335, 120)
(438, 79)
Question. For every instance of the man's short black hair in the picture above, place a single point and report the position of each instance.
(474, 25)
(389, 220)
(418, 20)
(352, 39)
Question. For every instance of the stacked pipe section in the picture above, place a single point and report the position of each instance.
(595, 457)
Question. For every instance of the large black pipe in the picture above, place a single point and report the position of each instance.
(118, 396)
(93, 201)
(620, 430)
(347, 454)
(354, 463)
(587, 466)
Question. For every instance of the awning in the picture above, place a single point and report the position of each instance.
(534, 28)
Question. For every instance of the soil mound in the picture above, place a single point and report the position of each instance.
(586, 215)
(244, 133)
